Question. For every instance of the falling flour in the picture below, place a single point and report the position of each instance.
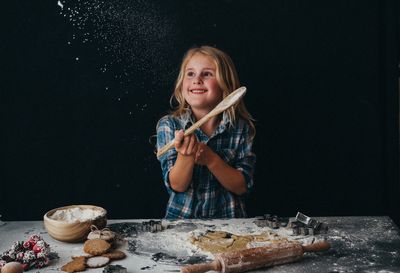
(132, 37)
(72, 215)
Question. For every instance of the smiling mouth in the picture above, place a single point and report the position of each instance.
(198, 91)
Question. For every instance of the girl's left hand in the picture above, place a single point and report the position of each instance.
(204, 154)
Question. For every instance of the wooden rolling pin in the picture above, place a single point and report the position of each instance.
(253, 258)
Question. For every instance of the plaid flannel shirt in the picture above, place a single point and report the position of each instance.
(205, 196)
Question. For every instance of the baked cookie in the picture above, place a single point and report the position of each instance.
(98, 261)
(96, 247)
(115, 255)
(76, 265)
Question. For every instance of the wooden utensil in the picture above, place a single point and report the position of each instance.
(253, 258)
(227, 102)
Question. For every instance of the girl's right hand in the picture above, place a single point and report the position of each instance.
(185, 145)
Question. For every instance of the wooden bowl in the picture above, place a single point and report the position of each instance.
(73, 232)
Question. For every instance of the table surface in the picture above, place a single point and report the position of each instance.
(359, 244)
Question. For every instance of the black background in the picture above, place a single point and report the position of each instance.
(322, 79)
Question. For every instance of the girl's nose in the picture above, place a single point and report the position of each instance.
(197, 80)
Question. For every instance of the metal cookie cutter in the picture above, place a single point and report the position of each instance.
(311, 226)
(152, 226)
(271, 221)
(260, 221)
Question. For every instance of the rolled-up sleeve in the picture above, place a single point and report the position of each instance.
(245, 158)
(165, 134)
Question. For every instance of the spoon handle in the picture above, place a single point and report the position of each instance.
(190, 130)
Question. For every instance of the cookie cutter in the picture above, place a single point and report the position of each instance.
(152, 226)
(308, 221)
(271, 221)
(260, 221)
(305, 225)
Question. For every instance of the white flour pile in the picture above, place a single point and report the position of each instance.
(73, 215)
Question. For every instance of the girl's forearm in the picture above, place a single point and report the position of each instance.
(181, 174)
(230, 178)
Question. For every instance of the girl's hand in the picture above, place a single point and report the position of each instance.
(204, 154)
(185, 145)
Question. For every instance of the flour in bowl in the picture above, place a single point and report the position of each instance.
(72, 215)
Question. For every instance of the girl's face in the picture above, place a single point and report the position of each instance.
(200, 87)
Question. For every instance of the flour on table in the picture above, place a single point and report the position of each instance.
(177, 239)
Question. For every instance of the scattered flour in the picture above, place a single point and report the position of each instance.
(76, 215)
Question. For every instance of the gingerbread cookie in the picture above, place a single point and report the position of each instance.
(76, 265)
(115, 255)
(96, 247)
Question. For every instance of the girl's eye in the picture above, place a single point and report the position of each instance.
(208, 74)
(190, 73)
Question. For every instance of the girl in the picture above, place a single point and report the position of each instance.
(209, 171)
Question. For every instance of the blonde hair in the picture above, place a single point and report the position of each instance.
(227, 78)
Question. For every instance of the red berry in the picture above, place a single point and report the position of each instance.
(32, 243)
(36, 249)
(27, 244)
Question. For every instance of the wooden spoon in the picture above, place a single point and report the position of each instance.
(227, 102)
